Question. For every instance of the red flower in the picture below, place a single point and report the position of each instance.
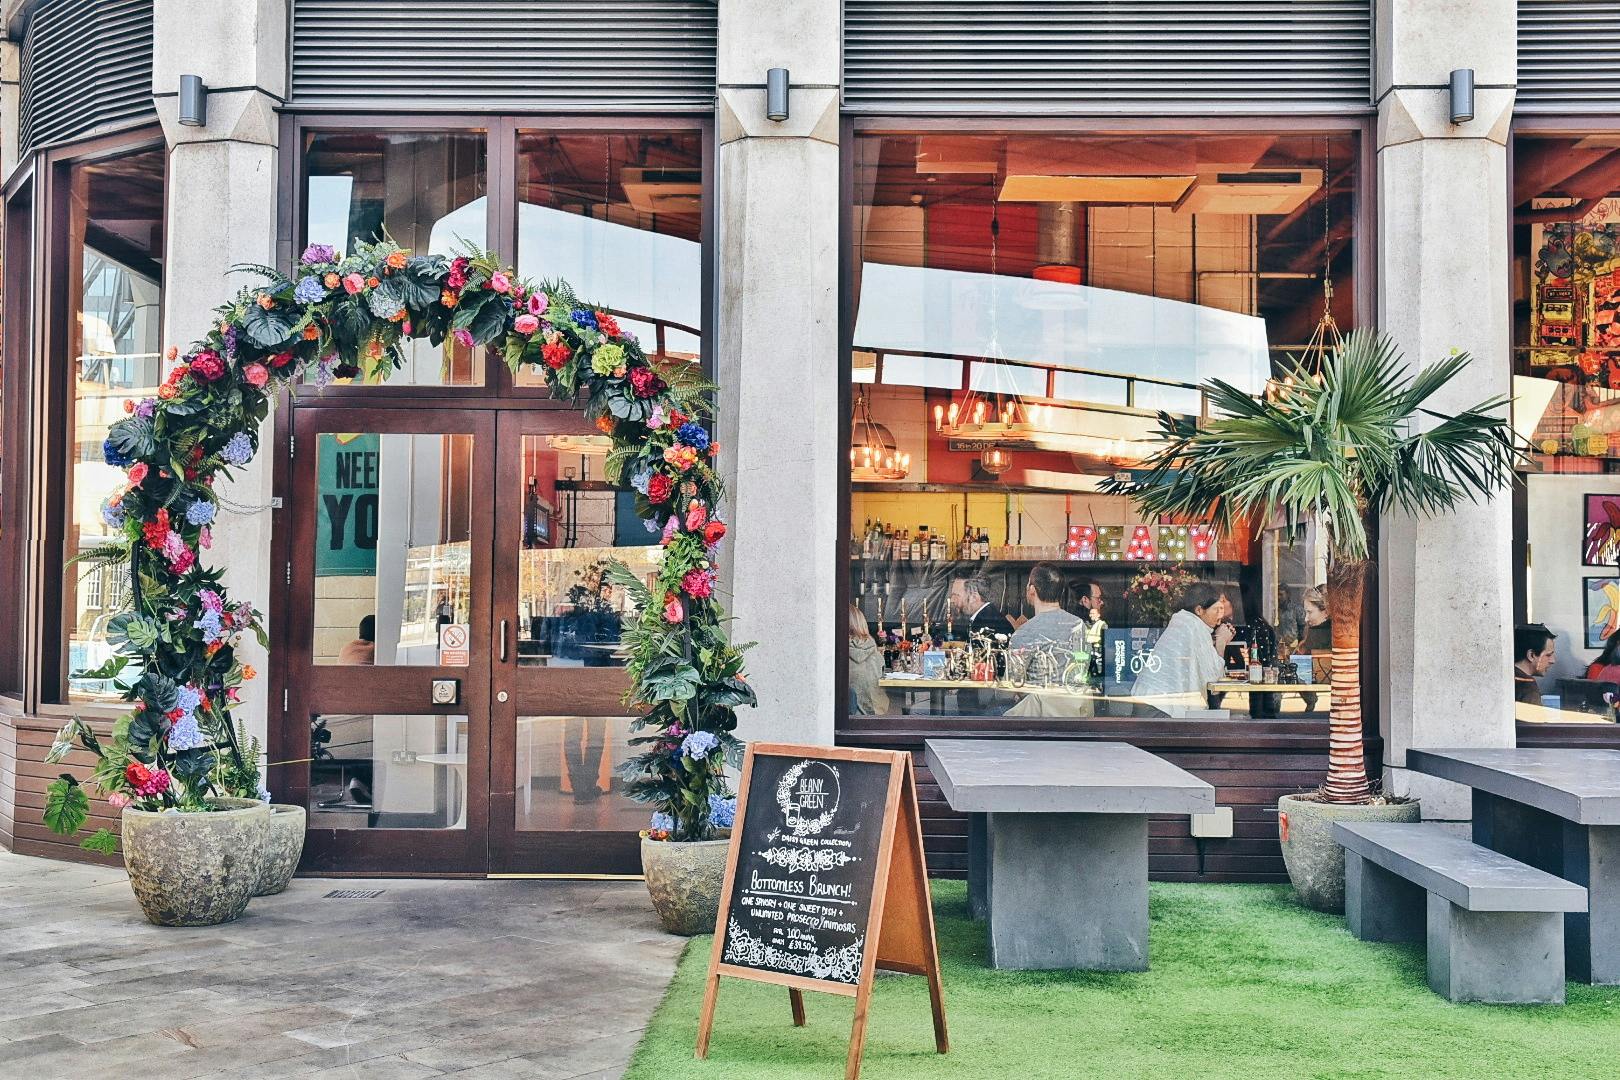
(713, 531)
(207, 366)
(457, 278)
(698, 584)
(646, 383)
(607, 324)
(659, 489)
(157, 530)
(282, 359)
(674, 610)
(137, 774)
(555, 353)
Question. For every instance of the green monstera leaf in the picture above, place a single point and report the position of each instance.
(104, 841)
(67, 807)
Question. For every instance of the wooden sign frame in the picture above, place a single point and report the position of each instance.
(901, 906)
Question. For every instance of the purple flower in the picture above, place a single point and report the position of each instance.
(309, 290)
(319, 253)
(700, 744)
(146, 408)
(210, 627)
(323, 370)
(186, 735)
(200, 512)
(229, 334)
(211, 600)
(464, 337)
(239, 451)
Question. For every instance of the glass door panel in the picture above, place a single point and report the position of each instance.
(389, 583)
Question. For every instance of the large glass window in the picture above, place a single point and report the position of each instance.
(1566, 391)
(115, 286)
(1023, 307)
(424, 190)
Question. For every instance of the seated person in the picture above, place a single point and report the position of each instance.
(363, 649)
(1534, 651)
(1190, 654)
(970, 601)
(866, 694)
(1606, 668)
(1050, 625)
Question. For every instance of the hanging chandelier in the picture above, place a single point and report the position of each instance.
(988, 416)
(873, 452)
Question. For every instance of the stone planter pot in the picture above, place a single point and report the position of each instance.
(684, 880)
(196, 869)
(1314, 859)
(283, 849)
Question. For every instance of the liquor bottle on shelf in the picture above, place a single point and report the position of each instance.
(964, 549)
(918, 540)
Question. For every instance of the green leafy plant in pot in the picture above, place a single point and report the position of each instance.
(1342, 445)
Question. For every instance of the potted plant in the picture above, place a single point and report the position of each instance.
(284, 845)
(1344, 445)
(686, 679)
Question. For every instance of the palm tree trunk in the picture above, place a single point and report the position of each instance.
(1347, 757)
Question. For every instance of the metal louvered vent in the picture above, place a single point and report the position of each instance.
(492, 55)
(86, 67)
(1569, 56)
(1072, 56)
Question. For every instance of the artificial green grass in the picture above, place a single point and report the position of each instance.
(1245, 984)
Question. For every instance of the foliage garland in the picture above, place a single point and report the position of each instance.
(345, 316)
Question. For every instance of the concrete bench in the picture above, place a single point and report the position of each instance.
(1494, 926)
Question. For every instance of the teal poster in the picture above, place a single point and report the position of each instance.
(346, 518)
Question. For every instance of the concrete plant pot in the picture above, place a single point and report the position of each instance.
(684, 880)
(1314, 859)
(283, 849)
(196, 869)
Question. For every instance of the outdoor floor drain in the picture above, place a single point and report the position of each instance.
(353, 894)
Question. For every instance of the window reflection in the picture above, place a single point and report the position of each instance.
(1024, 307)
(393, 552)
(567, 774)
(376, 771)
(619, 217)
(116, 295)
(1566, 403)
(426, 190)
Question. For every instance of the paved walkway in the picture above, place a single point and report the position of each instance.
(480, 979)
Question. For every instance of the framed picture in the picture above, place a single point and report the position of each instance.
(1600, 539)
(1602, 610)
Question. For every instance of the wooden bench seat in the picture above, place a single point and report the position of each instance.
(1494, 927)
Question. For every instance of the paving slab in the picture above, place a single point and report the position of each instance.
(491, 978)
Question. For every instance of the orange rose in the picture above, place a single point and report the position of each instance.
(396, 259)
(311, 332)
(604, 424)
(331, 281)
(448, 298)
(266, 301)
(372, 283)
(166, 391)
(171, 352)
(248, 673)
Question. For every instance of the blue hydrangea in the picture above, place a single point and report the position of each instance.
(264, 794)
(663, 823)
(115, 457)
(651, 526)
(583, 317)
(693, 435)
(209, 625)
(722, 811)
(700, 744)
(239, 451)
(187, 698)
(112, 515)
(309, 290)
(200, 512)
(184, 734)
(641, 479)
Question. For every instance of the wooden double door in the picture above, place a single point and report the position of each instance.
(450, 654)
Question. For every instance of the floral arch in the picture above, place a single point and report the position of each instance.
(346, 316)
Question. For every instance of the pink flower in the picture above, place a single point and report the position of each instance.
(526, 324)
(698, 584)
(464, 337)
(674, 610)
(353, 283)
(256, 374)
(696, 517)
(184, 561)
(500, 282)
(205, 539)
(538, 303)
(137, 473)
(118, 800)
(671, 527)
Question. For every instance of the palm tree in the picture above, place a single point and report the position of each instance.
(1343, 445)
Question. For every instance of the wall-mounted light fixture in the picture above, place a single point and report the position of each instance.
(1462, 95)
(193, 101)
(776, 94)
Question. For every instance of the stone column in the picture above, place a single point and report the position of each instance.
(10, 105)
(222, 211)
(777, 360)
(1445, 584)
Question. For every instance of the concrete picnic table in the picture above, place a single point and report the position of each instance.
(1058, 848)
(1557, 809)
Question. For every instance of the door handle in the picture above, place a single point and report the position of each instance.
(503, 640)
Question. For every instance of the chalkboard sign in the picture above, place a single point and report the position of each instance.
(825, 882)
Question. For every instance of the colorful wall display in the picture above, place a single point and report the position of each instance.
(1602, 610)
(1600, 541)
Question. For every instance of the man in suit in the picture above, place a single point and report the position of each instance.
(970, 600)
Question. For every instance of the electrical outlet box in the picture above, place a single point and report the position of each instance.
(1216, 825)
(402, 757)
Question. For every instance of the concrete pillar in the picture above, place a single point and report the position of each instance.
(222, 211)
(1443, 277)
(10, 105)
(778, 363)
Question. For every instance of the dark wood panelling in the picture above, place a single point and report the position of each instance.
(24, 777)
(1250, 765)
